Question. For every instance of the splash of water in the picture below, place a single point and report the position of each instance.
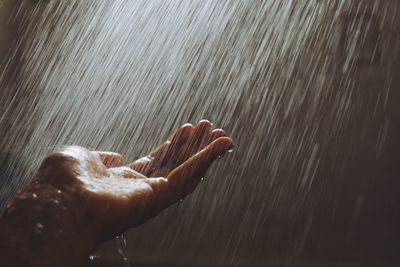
(122, 248)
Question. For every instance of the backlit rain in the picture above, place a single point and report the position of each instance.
(308, 89)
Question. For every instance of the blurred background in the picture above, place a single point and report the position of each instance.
(309, 90)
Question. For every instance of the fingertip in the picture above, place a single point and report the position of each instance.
(204, 121)
(221, 145)
(215, 134)
(202, 130)
(204, 124)
(187, 125)
(213, 151)
(218, 131)
(185, 177)
(183, 132)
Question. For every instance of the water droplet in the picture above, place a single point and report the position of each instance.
(59, 192)
(202, 179)
(122, 248)
(55, 201)
(181, 200)
(94, 256)
(230, 150)
(34, 195)
(39, 228)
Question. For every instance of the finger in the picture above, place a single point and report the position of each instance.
(201, 132)
(183, 179)
(145, 164)
(182, 132)
(181, 136)
(177, 144)
(174, 142)
(194, 143)
(203, 127)
(110, 159)
(214, 135)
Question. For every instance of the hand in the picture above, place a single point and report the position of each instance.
(80, 198)
(116, 196)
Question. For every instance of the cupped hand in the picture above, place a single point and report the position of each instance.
(115, 196)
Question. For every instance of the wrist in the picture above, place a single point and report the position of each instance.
(44, 226)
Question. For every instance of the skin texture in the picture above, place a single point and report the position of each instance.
(81, 198)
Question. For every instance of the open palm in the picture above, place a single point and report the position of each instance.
(116, 196)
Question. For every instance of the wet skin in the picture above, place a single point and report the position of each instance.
(81, 198)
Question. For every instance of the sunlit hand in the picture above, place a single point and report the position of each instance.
(118, 196)
(80, 198)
